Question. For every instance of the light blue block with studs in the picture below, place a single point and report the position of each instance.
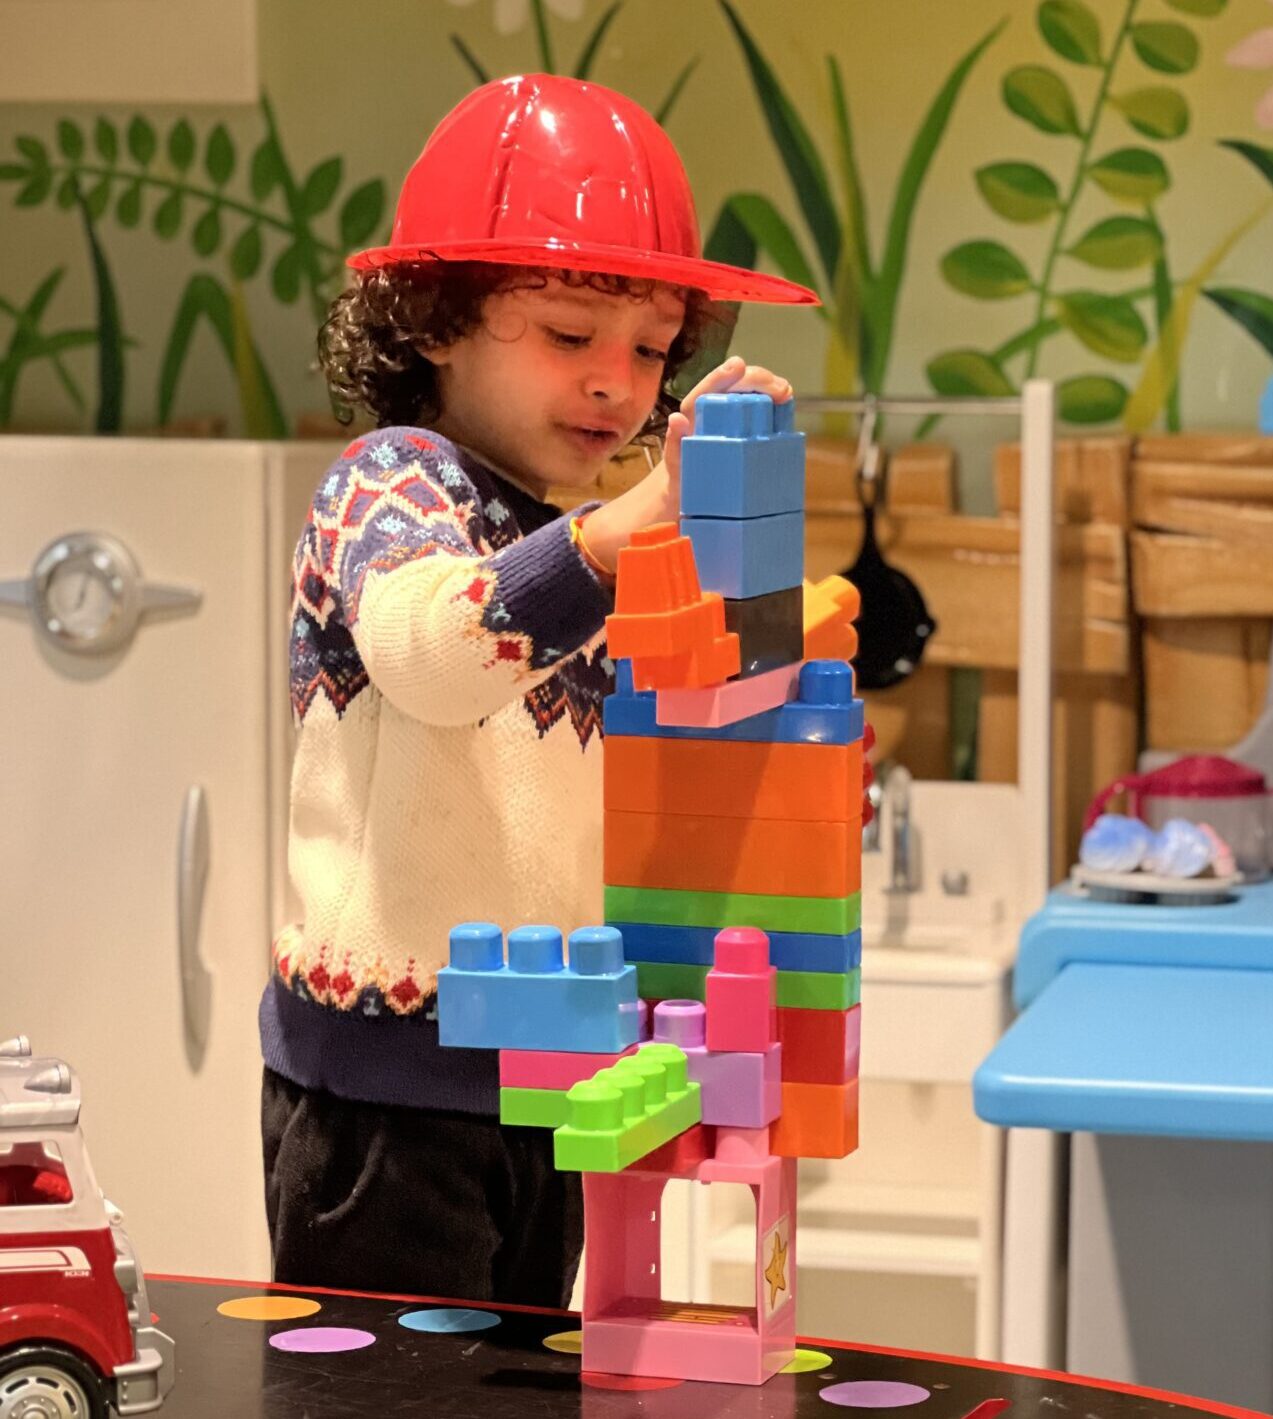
(747, 556)
(743, 460)
(534, 1000)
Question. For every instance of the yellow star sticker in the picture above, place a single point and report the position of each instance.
(776, 1271)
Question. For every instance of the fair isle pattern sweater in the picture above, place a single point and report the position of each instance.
(447, 675)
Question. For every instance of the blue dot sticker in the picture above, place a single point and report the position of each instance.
(448, 1320)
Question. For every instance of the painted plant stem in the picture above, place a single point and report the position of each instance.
(1080, 173)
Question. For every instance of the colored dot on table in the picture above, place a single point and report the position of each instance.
(322, 1340)
(631, 1383)
(805, 1362)
(268, 1308)
(565, 1342)
(448, 1320)
(873, 1394)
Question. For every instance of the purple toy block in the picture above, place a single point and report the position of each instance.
(742, 993)
(740, 1090)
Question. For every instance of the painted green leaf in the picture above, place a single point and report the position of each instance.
(1166, 46)
(32, 150)
(70, 140)
(1019, 191)
(1251, 309)
(66, 190)
(286, 275)
(168, 215)
(141, 140)
(1040, 97)
(1260, 158)
(106, 140)
(110, 332)
(218, 158)
(360, 213)
(35, 189)
(245, 254)
(1090, 399)
(1072, 30)
(11, 172)
(961, 372)
(128, 209)
(773, 235)
(1132, 174)
(588, 55)
(985, 269)
(479, 71)
(1155, 112)
(1107, 325)
(1119, 244)
(268, 169)
(181, 145)
(664, 110)
(206, 236)
(1205, 8)
(99, 198)
(320, 186)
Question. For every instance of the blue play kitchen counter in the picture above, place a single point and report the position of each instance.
(1146, 1034)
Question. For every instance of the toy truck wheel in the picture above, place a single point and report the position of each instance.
(42, 1382)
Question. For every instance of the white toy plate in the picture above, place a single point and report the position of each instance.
(1152, 884)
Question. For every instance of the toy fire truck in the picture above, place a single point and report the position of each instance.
(75, 1325)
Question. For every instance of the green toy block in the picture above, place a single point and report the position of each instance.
(622, 1113)
(660, 906)
(536, 1108)
(817, 990)
(802, 990)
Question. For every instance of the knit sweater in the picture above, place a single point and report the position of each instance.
(447, 675)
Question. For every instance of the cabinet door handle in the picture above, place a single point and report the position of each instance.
(193, 856)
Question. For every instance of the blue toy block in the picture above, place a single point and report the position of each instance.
(750, 556)
(824, 712)
(535, 1001)
(696, 946)
(1266, 412)
(744, 458)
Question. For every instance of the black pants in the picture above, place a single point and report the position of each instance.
(365, 1197)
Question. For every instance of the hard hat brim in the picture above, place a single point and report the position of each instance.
(716, 279)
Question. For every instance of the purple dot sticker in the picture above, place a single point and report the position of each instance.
(873, 1394)
(322, 1340)
(448, 1320)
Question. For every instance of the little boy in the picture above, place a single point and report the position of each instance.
(542, 291)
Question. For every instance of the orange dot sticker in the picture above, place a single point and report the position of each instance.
(565, 1342)
(268, 1308)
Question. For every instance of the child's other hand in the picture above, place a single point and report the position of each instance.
(735, 376)
(657, 497)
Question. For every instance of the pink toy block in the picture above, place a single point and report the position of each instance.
(742, 993)
(719, 705)
(551, 1069)
(629, 1329)
(740, 1090)
(745, 1146)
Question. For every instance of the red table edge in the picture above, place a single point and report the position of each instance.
(1206, 1406)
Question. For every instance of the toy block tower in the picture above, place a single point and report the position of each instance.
(733, 807)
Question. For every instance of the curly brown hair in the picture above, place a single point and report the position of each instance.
(370, 345)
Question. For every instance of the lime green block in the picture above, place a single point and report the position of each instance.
(830, 916)
(622, 1113)
(803, 990)
(537, 1108)
(818, 990)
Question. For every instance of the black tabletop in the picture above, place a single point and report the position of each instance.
(230, 1368)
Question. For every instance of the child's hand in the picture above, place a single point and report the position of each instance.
(657, 497)
(735, 376)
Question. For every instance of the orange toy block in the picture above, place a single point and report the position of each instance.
(769, 856)
(817, 1121)
(673, 632)
(725, 779)
(830, 608)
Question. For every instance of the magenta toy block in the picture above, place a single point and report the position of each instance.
(742, 993)
(735, 700)
(550, 1069)
(739, 1090)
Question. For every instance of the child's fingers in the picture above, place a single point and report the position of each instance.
(677, 427)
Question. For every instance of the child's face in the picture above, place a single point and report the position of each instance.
(556, 380)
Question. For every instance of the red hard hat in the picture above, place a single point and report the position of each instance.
(539, 170)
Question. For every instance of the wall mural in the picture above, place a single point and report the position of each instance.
(1104, 88)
